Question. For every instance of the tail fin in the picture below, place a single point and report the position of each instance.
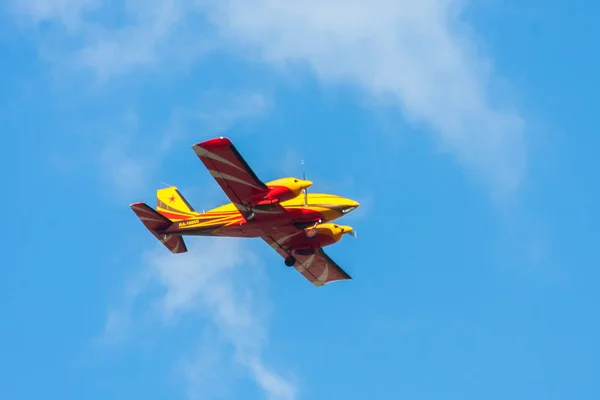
(171, 204)
(155, 223)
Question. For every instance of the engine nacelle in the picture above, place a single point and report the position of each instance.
(281, 190)
(320, 236)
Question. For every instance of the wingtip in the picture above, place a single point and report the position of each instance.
(214, 143)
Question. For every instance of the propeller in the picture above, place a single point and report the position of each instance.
(349, 230)
(305, 190)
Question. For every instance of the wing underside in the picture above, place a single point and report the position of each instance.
(318, 268)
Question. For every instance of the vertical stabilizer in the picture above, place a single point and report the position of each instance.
(171, 204)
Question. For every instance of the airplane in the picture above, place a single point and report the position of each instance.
(296, 224)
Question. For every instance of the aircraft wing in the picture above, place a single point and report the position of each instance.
(318, 268)
(234, 175)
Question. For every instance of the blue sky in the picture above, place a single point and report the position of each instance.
(466, 131)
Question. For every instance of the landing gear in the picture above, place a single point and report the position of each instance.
(249, 216)
(290, 261)
(308, 251)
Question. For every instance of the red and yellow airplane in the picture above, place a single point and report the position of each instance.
(281, 212)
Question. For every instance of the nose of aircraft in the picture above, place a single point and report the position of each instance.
(349, 205)
(305, 184)
(344, 228)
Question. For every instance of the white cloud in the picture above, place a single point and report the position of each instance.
(70, 13)
(145, 33)
(270, 382)
(152, 34)
(205, 279)
(125, 163)
(418, 54)
(216, 112)
(118, 324)
(127, 173)
(129, 160)
(220, 279)
(204, 370)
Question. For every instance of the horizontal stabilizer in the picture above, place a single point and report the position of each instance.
(156, 223)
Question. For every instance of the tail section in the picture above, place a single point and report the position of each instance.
(171, 204)
(155, 223)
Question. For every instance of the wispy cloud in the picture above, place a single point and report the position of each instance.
(152, 34)
(70, 13)
(146, 34)
(222, 278)
(216, 112)
(203, 369)
(419, 55)
(130, 158)
(128, 173)
(218, 279)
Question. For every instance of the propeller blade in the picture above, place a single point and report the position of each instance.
(305, 190)
(353, 233)
(303, 171)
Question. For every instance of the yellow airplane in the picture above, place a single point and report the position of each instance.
(281, 212)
